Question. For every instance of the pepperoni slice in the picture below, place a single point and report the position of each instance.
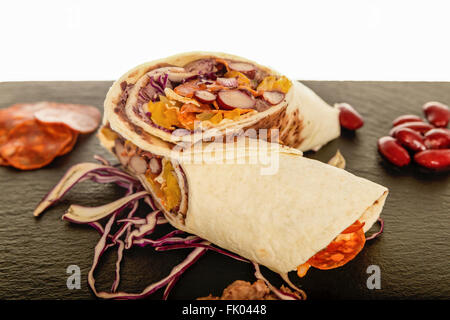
(81, 118)
(341, 250)
(31, 144)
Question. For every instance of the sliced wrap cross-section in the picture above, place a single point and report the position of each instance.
(192, 96)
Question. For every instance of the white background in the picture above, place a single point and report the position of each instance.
(320, 40)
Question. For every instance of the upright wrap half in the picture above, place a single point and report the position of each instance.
(195, 95)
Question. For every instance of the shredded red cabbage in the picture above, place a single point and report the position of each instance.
(379, 232)
(191, 244)
(159, 83)
(201, 76)
(132, 230)
(279, 293)
(102, 160)
(82, 172)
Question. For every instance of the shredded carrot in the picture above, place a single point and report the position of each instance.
(224, 62)
(188, 112)
(216, 87)
(189, 107)
(188, 89)
(253, 92)
(187, 119)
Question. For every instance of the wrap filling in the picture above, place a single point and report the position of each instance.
(206, 92)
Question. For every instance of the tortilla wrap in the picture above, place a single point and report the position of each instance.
(304, 120)
(280, 219)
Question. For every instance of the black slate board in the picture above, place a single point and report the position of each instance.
(413, 252)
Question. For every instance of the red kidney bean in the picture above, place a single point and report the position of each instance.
(410, 139)
(438, 159)
(393, 151)
(138, 164)
(437, 139)
(121, 152)
(348, 117)
(438, 114)
(406, 118)
(420, 127)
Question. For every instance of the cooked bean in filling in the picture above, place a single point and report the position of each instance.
(159, 172)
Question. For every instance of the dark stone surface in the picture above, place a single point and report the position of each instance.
(413, 253)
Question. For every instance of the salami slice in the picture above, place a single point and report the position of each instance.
(70, 145)
(354, 227)
(341, 250)
(81, 118)
(15, 115)
(31, 145)
(3, 162)
(10, 118)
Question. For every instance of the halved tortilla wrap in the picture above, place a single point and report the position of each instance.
(304, 121)
(279, 218)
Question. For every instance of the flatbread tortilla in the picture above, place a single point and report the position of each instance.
(279, 219)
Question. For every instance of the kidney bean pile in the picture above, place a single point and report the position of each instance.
(427, 142)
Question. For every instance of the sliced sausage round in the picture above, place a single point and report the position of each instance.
(246, 68)
(228, 82)
(230, 99)
(273, 97)
(200, 66)
(205, 96)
